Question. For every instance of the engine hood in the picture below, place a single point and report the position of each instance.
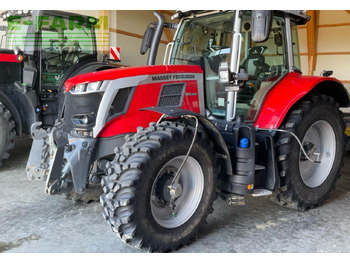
(112, 74)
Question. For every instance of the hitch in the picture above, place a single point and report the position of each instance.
(60, 186)
(38, 162)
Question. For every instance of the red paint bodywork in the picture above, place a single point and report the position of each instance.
(112, 74)
(277, 103)
(146, 95)
(9, 58)
(284, 95)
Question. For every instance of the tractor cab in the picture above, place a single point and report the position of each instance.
(206, 39)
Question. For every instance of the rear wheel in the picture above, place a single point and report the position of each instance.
(319, 125)
(7, 132)
(138, 204)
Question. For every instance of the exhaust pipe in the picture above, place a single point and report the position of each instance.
(156, 39)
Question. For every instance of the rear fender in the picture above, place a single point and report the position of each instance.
(291, 89)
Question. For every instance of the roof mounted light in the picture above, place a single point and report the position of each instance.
(5, 15)
(177, 15)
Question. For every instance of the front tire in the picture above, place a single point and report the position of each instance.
(319, 125)
(7, 132)
(137, 202)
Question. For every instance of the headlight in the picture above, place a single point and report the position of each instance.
(94, 86)
(83, 120)
(86, 88)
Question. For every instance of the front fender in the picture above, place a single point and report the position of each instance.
(291, 89)
(213, 133)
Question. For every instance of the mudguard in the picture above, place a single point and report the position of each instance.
(291, 89)
(214, 134)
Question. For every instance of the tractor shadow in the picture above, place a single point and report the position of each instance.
(261, 216)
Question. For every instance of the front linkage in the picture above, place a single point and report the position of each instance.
(62, 160)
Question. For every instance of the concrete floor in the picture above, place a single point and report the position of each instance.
(31, 221)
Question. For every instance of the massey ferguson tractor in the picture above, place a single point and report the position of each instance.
(42, 50)
(229, 115)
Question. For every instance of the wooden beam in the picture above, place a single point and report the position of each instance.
(348, 11)
(327, 25)
(168, 34)
(122, 32)
(103, 33)
(328, 53)
(167, 31)
(312, 28)
(166, 12)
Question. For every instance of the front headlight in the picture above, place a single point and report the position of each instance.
(94, 86)
(86, 88)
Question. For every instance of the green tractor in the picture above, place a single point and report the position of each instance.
(42, 50)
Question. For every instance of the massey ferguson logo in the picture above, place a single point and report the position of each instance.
(173, 77)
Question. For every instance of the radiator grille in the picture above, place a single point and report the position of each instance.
(171, 95)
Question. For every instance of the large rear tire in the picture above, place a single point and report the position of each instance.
(319, 125)
(7, 133)
(137, 202)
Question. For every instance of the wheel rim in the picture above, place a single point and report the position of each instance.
(320, 144)
(192, 183)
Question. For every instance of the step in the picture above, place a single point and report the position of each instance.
(261, 192)
(259, 167)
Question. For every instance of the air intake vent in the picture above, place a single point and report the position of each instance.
(121, 102)
(171, 95)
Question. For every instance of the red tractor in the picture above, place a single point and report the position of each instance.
(230, 115)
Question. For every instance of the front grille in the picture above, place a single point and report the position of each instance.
(80, 104)
(171, 95)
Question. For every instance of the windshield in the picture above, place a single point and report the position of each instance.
(17, 32)
(203, 37)
(206, 41)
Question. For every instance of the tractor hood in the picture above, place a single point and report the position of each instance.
(10, 66)
(118, 73)
(8, 55)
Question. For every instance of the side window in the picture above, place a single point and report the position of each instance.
(52, 62)
(265, 63)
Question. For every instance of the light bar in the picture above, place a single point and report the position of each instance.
(5, 15)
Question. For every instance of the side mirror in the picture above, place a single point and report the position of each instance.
(261, 25)
(147, 40)
(327, 73)
(278, 39)
(226, 77)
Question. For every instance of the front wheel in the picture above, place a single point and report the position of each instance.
(7, 132)
(319, 125)
(138, 203)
